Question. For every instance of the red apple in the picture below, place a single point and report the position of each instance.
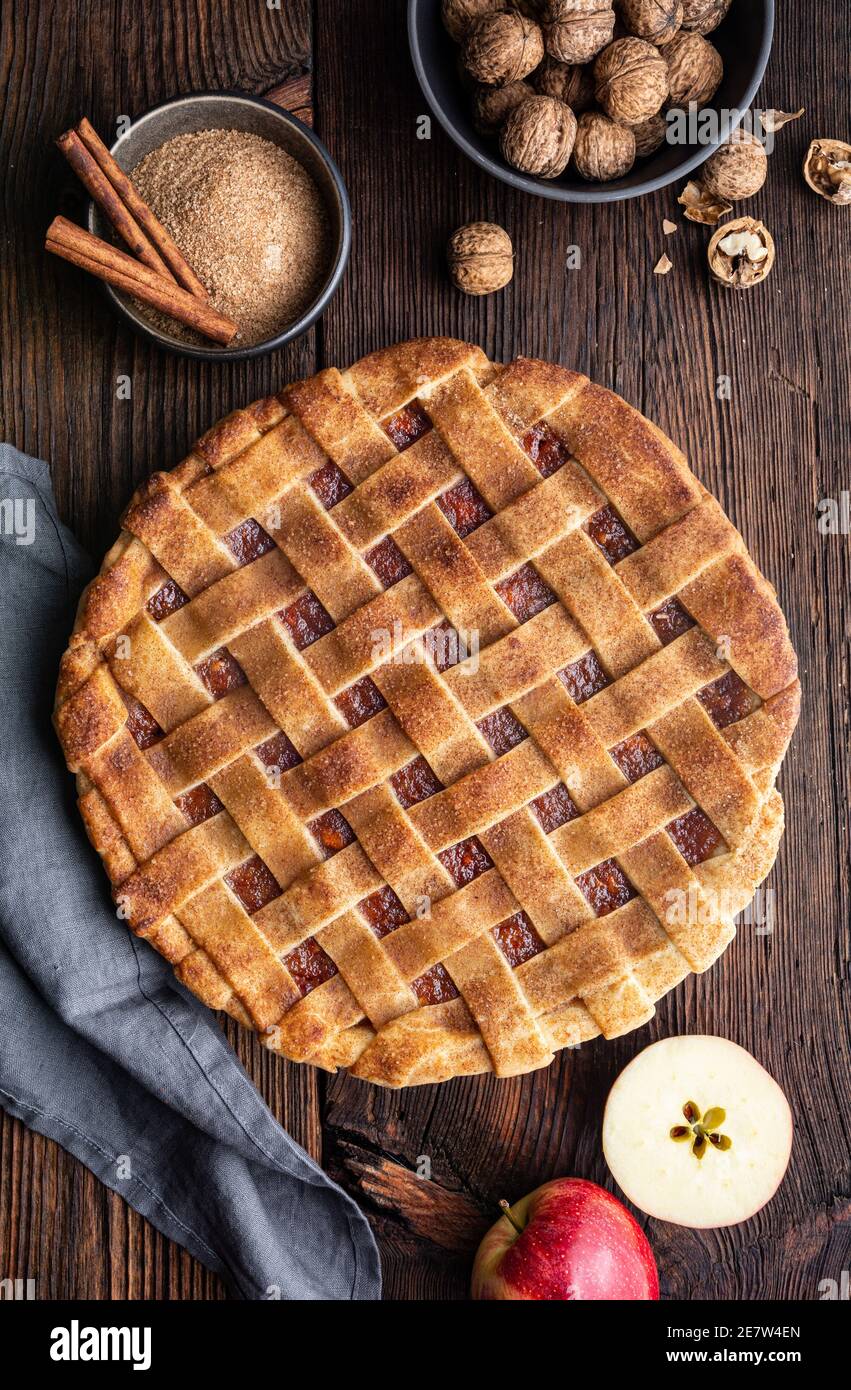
(569, 1239)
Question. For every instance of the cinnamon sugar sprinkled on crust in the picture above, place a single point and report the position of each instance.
(249, 220)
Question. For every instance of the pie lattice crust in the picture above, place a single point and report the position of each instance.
(427, 716)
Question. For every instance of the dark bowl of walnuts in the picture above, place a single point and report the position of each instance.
(590, 101)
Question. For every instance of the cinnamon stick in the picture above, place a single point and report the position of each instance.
(145, 217)
(90, 174)
(108, 263)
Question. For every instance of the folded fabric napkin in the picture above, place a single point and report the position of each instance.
(100, 1047)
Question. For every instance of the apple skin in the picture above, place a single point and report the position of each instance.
(577, 1242)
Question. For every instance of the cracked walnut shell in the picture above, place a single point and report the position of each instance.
(827, 170)
(655, 20)
(738, 169)
(703, 16)
(538, 137)
(481, 257)
(695, 69)
(631, 80)
(503, 48)
(568, 82)
(576, 30)
(741, 254)
(603, 150)
(459, 16)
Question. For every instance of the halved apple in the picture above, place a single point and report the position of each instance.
(696, 1132)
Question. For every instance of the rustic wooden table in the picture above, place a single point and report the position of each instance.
(770, 453)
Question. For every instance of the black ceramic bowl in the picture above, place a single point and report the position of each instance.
(234, 111)
(744, 41)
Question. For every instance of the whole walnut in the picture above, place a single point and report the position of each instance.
(491, 105)
(603, 149)
(576, 30)
(538, 137)
(649, 135)
(704, 15)
(503, 48)
(459, 16)
(481, 257)
(738, 169)
(631, 79)
(695, 69)
(654, 20)
(569, 82)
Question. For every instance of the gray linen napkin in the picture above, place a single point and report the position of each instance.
(100, 1047)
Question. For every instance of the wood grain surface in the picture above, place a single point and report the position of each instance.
(770, 453)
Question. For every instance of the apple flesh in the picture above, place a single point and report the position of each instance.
(569, 1239)
(738, 1132)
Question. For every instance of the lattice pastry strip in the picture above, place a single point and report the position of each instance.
(418, 858)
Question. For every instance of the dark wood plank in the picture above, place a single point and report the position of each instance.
(769, 454)
(63, 352)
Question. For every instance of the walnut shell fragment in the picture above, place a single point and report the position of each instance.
(568, 82)
(503, 48)
(741, 254)
(480, 257)
(701, 206)
(631, 80)
(695, 69)
(827, 170)
(737, 169)
(577, 30)
(772, 121)
(603, 150)
(538, 137)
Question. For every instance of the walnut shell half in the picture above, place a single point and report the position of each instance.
(503, 48)
(631, 79)
(538, 137)
(576, 30)
(741, 254)
(738, 169)
(827, 170)
(481, 257)
(603, 150)
(695, 69)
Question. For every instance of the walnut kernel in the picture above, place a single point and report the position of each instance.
(603, 150)
(491, 105)
(827, 170)
(538, 136)
(741, 254)
(576, 30)
(481, 258)
(738, 169)
(695, 69)
(655, 20)
(503, 48)
(703, 16)
(569, 82)
(459, 16)
(631, 80)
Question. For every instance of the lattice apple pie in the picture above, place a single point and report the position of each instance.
(427, 716)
